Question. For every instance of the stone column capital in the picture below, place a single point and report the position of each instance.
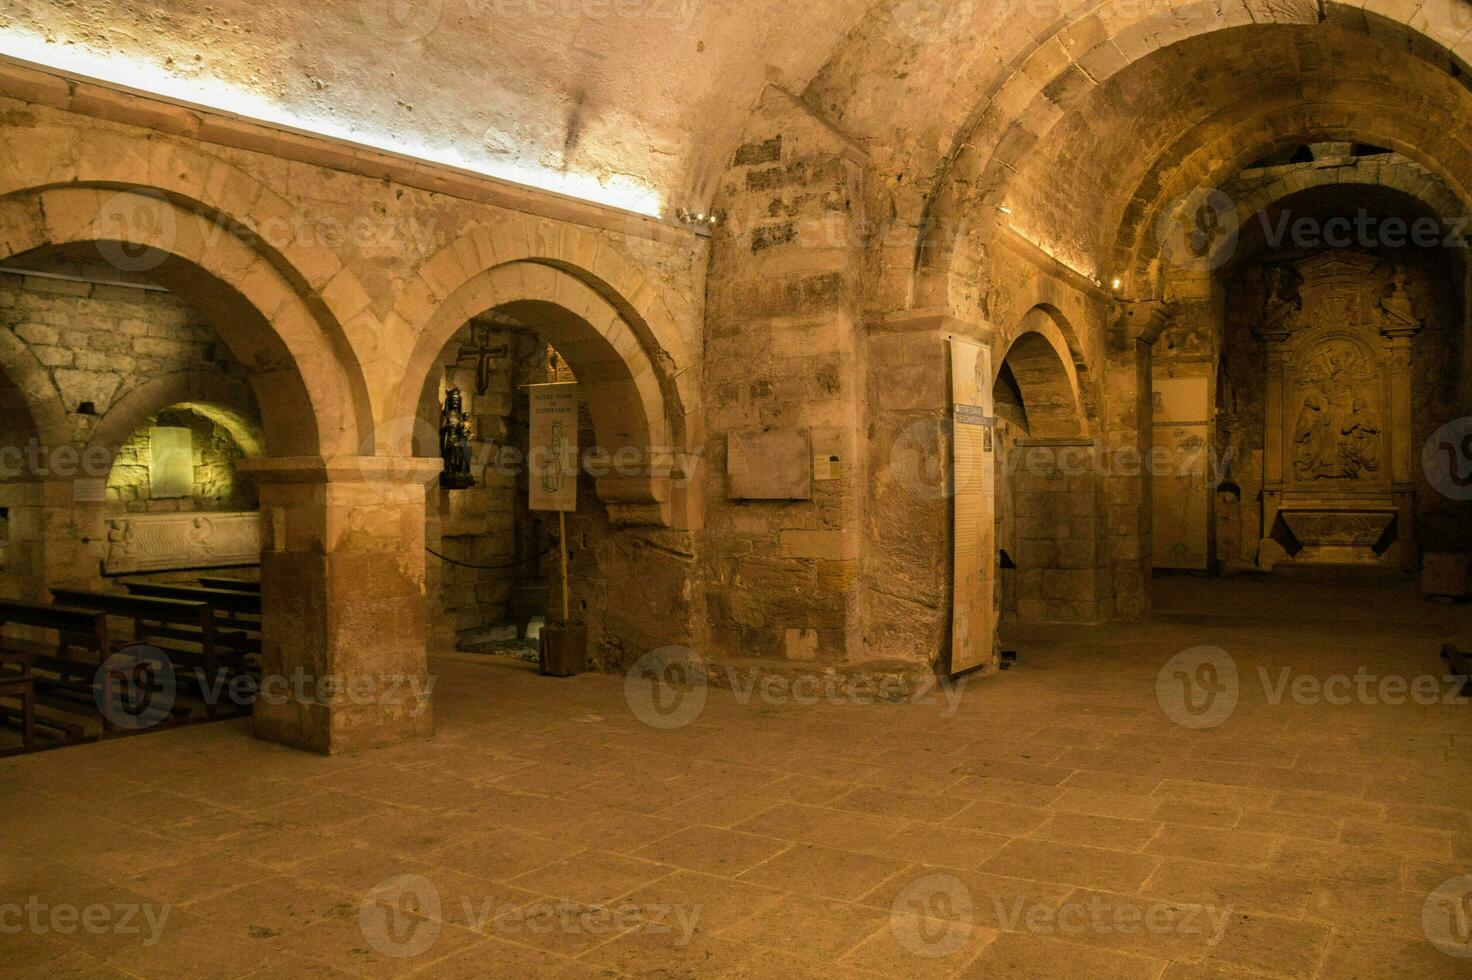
(932, 319)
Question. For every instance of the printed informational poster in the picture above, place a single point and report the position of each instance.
(973, 423)
(1179, 480)
(553, 460)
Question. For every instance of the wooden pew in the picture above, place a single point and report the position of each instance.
(187, 632)
(229, 585)
(17, 681)
(239, 611)
(75, 629)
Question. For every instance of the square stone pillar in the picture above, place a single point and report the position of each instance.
(342, 593)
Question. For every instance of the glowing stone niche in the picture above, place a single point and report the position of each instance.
(171, 463)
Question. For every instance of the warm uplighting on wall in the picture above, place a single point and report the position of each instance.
(152, 78)
(1050, 252)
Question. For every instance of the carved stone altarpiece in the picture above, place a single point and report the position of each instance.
(1337, 452)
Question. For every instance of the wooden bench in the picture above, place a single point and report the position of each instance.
(187, 632)
(75, 629)
(239, 611)
(230, 585)
(17, 681)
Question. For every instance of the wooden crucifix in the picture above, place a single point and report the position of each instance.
(483, 351)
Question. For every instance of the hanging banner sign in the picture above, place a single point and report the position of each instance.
(973, 435)
(553, 460)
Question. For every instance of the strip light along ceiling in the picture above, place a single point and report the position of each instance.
(147, 76)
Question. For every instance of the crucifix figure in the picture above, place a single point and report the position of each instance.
(483, 351)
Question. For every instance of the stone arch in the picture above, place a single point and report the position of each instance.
(297, 375)
(1204, 163)
(580, 256)
(619, 379)
(226, 200)
(1041, 364)
(223, 400)
(1082, 51)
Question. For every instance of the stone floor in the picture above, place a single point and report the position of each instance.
(1055, 821)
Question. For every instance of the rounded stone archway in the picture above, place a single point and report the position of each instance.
(295, 371)
(1048, 509)
(623, 387)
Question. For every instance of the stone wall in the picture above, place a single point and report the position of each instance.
(785, 354)
(474, 526)
(97, 342)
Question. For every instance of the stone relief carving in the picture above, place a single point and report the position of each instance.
(1397, 306)
(157, 542)
(1283, 303)
(1337, 433)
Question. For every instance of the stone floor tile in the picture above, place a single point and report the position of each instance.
(1282, 947)
(823, 871)
(815, 928)
(1223, 886)
(711, 850)
(594, 877)
(1072, 864)
(1096, 831)
(1236, 847)
(1016, 957)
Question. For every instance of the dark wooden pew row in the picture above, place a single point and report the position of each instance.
(239, 611)
(230, 585)
(17, 681)
(69, 691)
(187, 632)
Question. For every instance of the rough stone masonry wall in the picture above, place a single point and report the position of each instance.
(474, 526)
(783, 352)
(98, 342)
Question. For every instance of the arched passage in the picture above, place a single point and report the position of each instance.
(623, 390)
(1048, 513)
(634, 467)
(285, 340)
(297, 376)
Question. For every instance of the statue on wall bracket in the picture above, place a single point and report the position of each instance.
(455, 435)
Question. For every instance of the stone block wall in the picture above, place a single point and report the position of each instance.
(784, 352)
(96, 342)
(476, 526)
(1059, 533)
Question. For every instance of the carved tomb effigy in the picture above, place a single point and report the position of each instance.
(1337, 439)
(190, 540)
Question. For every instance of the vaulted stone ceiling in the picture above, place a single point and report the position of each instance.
(640, 102)
(641, 95)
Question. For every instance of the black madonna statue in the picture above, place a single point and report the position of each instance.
(455, 434)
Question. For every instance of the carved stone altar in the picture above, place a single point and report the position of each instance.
(161, 542)
(1337, 439)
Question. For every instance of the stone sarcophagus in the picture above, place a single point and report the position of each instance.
(1337, 453)
(162, 542)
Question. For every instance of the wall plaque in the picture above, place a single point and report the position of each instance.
(1180, 496)
(773, 465)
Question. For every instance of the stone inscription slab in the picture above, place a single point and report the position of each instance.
(775, 465)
